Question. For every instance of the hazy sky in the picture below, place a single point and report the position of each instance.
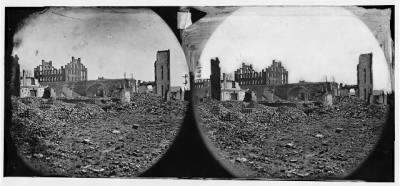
(108, 41)
(311, 42)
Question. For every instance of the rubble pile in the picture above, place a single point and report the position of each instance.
(102, 138)
(44, 109)
(152, 104)
(260, 113)
(348, 107)
(306, 141)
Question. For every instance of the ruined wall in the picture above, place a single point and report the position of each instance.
(46, 72)
(90, 88)
(14, 79)
(313, 91)
(162, 73)
(215, 79)
(75, 70)
(364, 76)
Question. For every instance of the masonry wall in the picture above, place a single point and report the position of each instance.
(75, 70)
(46, 72)
(364, 76)
(215, 79)
(162, 73)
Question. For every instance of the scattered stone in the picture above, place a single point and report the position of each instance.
(116, 132)
(319, 136)
(38, 155)
(135, 126)
(289, 145)
(241, 160)
(338, 130)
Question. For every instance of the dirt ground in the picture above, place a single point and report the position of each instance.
(324, 143)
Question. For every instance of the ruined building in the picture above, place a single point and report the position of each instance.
(364, 76)
(215, 79)
(46, 72)
(30, 87)
(162, 73)
(275, 74)
(14, 77)
(73, 71)
(224, 89)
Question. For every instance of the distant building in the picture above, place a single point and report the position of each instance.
(230, 89)
(364, 76)
(348, 90)
(73, 71)
(275, 74)
(47, 73)
(176, 93)
(162, 73)
(30, 87)
(378, 97)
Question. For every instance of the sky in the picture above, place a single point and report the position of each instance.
(313, 43)
(110, 42)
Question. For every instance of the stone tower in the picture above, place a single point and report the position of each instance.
(162, 73)
(364, 76)
(215, 79)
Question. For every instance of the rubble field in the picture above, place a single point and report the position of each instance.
(106, 139)
(301, 142)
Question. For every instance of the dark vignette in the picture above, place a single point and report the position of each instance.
(188, 156)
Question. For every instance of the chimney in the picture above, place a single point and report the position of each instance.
(79, 60)
(73, 58)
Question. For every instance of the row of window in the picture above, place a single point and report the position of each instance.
(57, 78)
(258, 82)
(256, 75)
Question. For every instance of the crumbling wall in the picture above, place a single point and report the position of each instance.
(364, 76)
(162, 73)
(215, 79)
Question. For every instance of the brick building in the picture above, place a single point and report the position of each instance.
(162, 73)
(73, 71)
(46, 72)
(275, 74)
(364, 76)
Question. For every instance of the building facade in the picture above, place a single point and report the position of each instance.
(275, 74)
(73, 71)
(162, 73)
(46, 72)
(364, 76)
(30, 87)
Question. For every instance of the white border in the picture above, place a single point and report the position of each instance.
(141, 181)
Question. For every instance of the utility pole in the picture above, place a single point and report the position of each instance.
(186, 82)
